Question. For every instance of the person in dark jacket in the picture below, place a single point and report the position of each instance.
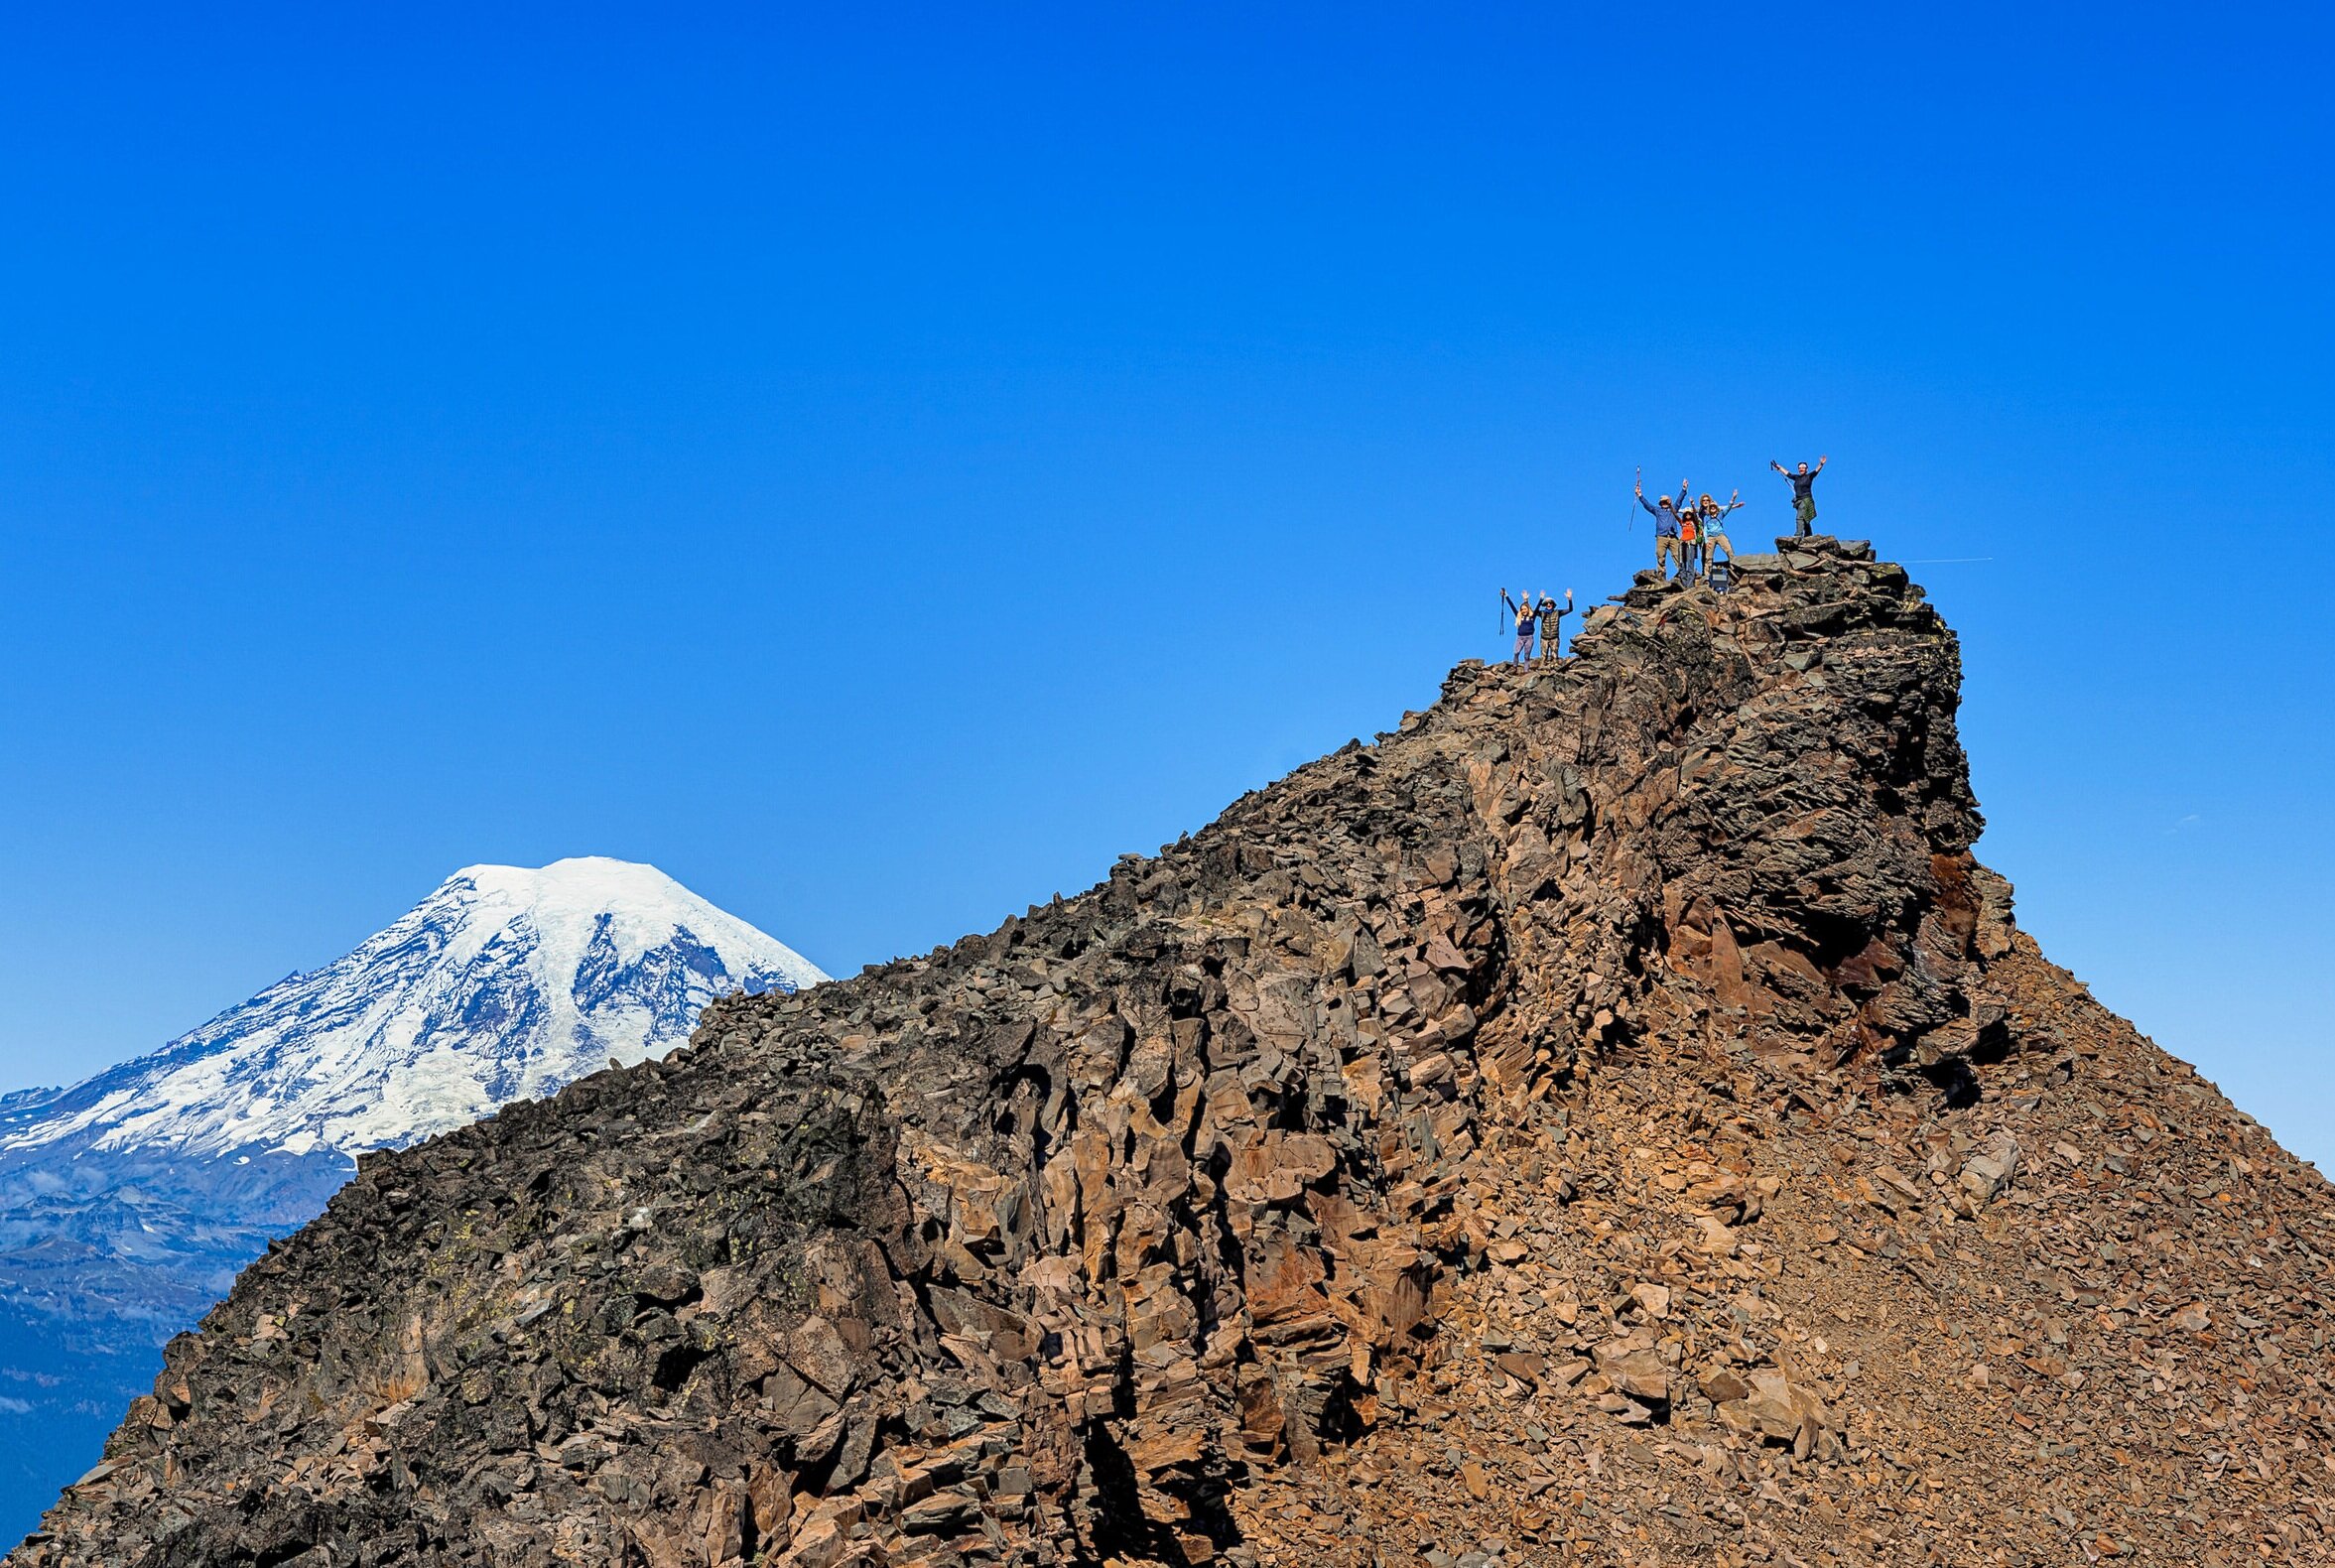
(1552, 623)
(1667, 548)
(1803, 486)
(1525, 621)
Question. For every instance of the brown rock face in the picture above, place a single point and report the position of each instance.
(1613, 1119)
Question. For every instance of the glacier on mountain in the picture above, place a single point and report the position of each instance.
(129, 1201)
(502, 984)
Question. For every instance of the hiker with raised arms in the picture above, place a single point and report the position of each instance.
(1711, 515)
(1667, 548)
(1803, 486)
(1552, 623)
(1525, 620)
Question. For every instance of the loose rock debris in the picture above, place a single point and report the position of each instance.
(1611, 1119)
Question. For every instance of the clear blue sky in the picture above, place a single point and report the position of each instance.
(878, 464)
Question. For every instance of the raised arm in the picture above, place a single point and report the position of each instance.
(1778, 468)
(1648, 505)
(1820, 462)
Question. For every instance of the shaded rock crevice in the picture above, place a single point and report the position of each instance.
(1263, 1201)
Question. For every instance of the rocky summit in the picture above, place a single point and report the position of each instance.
(1611, 1119)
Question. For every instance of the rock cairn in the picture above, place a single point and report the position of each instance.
(1609, 1119)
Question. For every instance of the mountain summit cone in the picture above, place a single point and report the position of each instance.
(505, 982)
(129, 1201)
(1613, 1118)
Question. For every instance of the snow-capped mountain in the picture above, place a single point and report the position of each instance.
(502, 984)
(129, 1201)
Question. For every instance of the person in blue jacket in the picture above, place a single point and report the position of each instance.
(1526, 621)
(1713, 514)
(1667, 548)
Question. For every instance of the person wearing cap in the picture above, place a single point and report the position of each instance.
(1552, 623)
(1667, 548)
(1803, 486)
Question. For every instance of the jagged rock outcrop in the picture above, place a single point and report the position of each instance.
(1613, 1118)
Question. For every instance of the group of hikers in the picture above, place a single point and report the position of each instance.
(1688, 534)
(1546, 615)
(1688, 531)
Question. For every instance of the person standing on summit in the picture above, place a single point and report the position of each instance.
(1714, 517)
(1552, 623)
(1525, 621)
(1667, 548)
(1803, 486)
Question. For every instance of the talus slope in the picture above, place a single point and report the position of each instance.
(1611, 1119)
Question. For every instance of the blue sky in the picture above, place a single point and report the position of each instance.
(880, 463)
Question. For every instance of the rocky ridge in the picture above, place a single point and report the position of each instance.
(1611, 1119)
